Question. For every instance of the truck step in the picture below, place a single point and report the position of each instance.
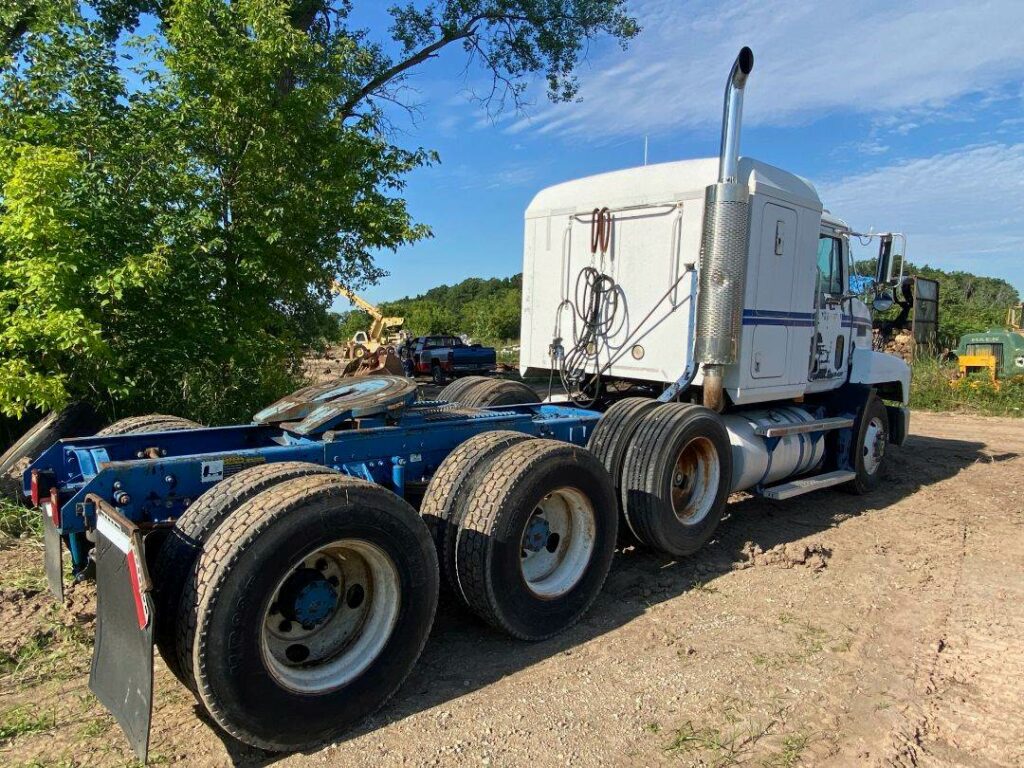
(818, 425)
(807, 484)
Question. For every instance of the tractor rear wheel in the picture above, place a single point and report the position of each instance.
(609, 441)
(313, 601)
(154, 422)
(537, 539)
(454, 391)
(676, 477)
(493, 392)
(448, 494)
(176, 560)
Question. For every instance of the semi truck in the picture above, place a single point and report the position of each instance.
(288, 570)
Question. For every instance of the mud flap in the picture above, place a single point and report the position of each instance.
(53, 558)
(122, 658)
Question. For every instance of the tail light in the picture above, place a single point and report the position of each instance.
(42, 482)
(55, 506)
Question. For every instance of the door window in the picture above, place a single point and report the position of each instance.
(830, 268)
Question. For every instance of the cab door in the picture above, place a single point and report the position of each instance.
(830, 342)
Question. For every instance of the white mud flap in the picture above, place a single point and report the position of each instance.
(122, 658)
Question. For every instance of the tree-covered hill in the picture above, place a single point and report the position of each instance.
(485, 309)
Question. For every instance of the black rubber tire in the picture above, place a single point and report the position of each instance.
(502, 501)
(457, 388)
(241, 565)
(649, 472)
(866, 482)
(609, 441)
(176, 560)
(448, 494)
(75, 420)
(154, 422)
(437, 374)
(495, 392)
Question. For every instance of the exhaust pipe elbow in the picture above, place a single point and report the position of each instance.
(732, 115)
(742, 67)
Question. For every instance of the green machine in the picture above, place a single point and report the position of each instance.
(997, 350)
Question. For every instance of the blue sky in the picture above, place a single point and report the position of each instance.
(905, 116)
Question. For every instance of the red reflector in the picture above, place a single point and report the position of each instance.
(55, 506)
(140, 604)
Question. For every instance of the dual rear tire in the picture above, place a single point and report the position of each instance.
(307, 598)
(294, 600)
(672, 465)
(525, 530)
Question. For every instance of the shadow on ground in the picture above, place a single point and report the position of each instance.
(464, 655)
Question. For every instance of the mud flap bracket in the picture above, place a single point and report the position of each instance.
(122, 659)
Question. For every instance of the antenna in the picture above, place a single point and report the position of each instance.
(645, 149)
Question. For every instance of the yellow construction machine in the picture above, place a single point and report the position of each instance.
(375, 350)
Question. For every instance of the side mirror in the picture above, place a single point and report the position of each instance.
(883, 302)
(883, 271)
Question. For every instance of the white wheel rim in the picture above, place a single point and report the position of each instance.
(874, 445)
(348, 624)
(695, 480)
(557, 543)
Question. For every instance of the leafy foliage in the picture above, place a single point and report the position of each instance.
(933, 388)
(175, 206)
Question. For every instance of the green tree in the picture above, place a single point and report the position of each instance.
(170, 224)
(967, 302)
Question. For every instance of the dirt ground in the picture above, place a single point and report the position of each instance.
(828, 630)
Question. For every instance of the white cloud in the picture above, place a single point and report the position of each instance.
(961, 210)
(810, 58)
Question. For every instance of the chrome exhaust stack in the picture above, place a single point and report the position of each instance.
(723, 256)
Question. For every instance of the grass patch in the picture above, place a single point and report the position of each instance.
(22, 721)
(29, 579)
(96, 727)
(793, 745)
(932, 389)
(34, 648)
(17, 521)
(717, 747)
(56, 651)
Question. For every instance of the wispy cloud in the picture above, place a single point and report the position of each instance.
(468, 177)
(961, 210)
(811, 58)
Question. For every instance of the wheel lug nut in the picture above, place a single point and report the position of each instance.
(285, 626)
(321, 564)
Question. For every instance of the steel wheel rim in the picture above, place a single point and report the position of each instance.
(696, 477)
(873, 448)
(557, 543)
(343, 644)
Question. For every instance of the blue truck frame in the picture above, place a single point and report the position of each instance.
(154, 477)
(111, 500)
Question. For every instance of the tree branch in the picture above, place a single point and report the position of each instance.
(389, 74)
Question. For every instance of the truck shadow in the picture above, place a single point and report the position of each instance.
(464, 655)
